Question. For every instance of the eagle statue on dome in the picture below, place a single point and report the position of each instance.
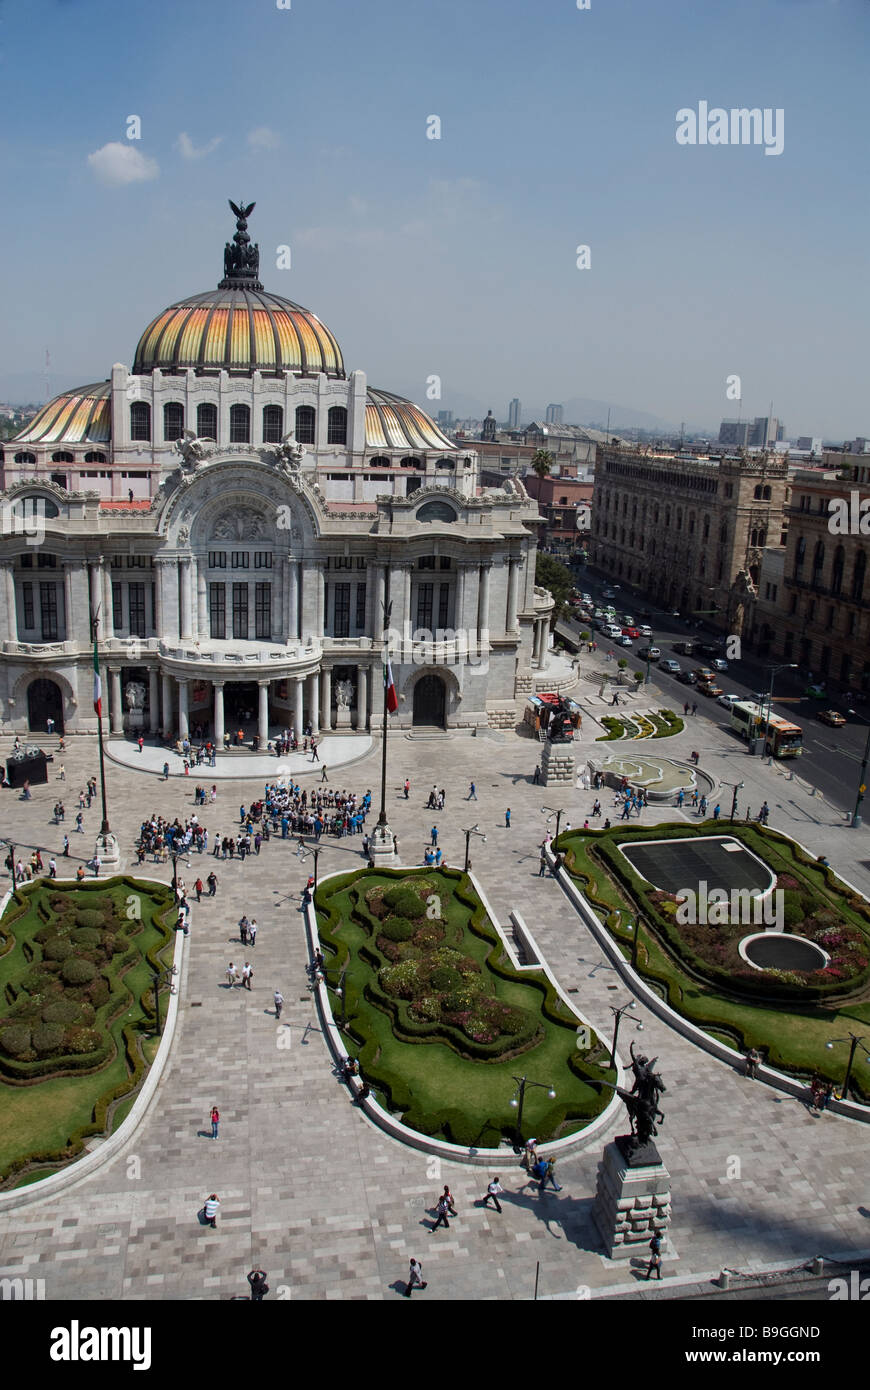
(240, 257)
(192, 449)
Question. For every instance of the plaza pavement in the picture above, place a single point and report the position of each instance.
(310, 1189)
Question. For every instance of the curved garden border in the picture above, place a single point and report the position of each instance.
(84, 1167)
(412, 1137)
(779, 1080)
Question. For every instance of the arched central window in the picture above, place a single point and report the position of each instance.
(818, 562)
(858, 576)
(207, 421)
(240, 424)
(173, 421)
(336, 425)
(799, 556)
(273, 424)
(140, 420)
(305, 422)
(62, 456)
(837, 572)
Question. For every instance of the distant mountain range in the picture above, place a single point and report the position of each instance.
(578, 410)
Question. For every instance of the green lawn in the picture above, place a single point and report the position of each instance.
(52, 1116)
(792, 1034)
(436, 1085)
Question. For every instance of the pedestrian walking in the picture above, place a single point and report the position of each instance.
(596, 809)
(252, 932)
(315, 756)
(537, 777)
(550, 1175)
(247, 973)
(66, 846)
(493, 1188)
(442, 1209)
(543, 868)
(323, 776)
(232, 975)
(259, 1288)
(198, 888)
(434, 833)
(447, 1196)
(243, 931)
(141, 742)
(96, 865)
(211, 1208)
(215, 1121)
(212, 884)
(62, 773)
(52, 868)
(695, 707)
(685, 708)
(655, 1262)
(472, 792)
(166, 772)
(530, 1154)
(279, 1003)
(407, 789)
(716, 811)
(415, 1278)
(507, 819)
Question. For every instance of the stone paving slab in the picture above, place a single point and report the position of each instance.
(319, 1196)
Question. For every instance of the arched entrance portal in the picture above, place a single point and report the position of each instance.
(240, 704)
(430, 700)
(44, 702)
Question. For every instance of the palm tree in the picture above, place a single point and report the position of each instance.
(542, 462)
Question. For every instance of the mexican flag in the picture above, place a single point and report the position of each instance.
(392, 697)
(98, 685)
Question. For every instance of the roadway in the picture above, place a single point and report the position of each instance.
(831, 758)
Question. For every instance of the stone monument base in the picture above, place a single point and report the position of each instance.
(381, 850)
(342, 717)
(633, 1200)
(558, 765)
(109, 852)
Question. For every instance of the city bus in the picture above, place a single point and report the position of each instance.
(782, 739)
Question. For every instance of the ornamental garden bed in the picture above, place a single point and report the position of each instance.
(790, 1015)
(440, 1019)
(76, 1003)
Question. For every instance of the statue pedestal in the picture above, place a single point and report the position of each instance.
(558, 765)
(633, 1200)
(381, 850)
(135, 721)
(109, 851)
(342, 717)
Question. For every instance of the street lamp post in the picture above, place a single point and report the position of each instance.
(856, 1039)
(737, 788)
(558, 814)
(160, 977)
(766, 705)
(862, 779)
(341, 991)
(617, 1019)
(316, 852)
(11, 861)
(473, 830)
(522, 1083)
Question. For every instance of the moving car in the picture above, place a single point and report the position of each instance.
(587, 598)
(710, 688)
(815, 692)
(653, 653)
(685, 648)
(671, 666)
(629, 631)
(703, 674)
(830, 716)
(611, 630)
(624, 640)
(645, 630)
(687, 678)
(709, 648)
(719, 663)
(627, 620)
(727, 700)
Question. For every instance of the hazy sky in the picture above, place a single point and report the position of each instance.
(457, 256)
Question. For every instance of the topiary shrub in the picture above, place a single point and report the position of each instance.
(406, 950)
(398, 929)
(404, 902)
(47, 1038)
(792, 909)
(15, 1039)
(62, 1011)
(444, 977)
(81, 1040)
(79, 972)
(429, 935)
(428, 1008)
(87, 937)
(58, 948)
(90, 917)
(119, 944)
(98, 992)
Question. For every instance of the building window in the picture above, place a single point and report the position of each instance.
(837, 571)
(443, 605)
(46, 562)
(445, 562)
(207, 421)
(811, 611)
(217, 610)
(858, 576)
(336, 425)
(136, 600)
(852, 624)
(425, 593)
(217, 559)
(729, 490)
(95, 456)
(48, 607)
(27, 598)
(360, 607)
(239, 559)
(117, 607)
(262, 559)
(173, 421)
(361, 562)
(818, 562)
(62, 456)
(25, 457)
(799, 556)
(60, 479)
(793, 605)
(240, 424)
(426, 562)
(240, 612)
(263, 610)
(273, 424)
(26, 562)
(140, 420)
(341, 625)
(379, 461)
(305, 423)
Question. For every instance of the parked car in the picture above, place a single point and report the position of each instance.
(830, 716)
(629, 631)
(653, 653)
(687, 678)
(671, 666)
(719, 663)
(727, 700)
(815, 692)
(710, 689)
(624, 640)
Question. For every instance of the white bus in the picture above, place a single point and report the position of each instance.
(781, 738)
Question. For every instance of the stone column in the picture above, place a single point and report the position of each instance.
(183, 726)
(292, 610)
(263, 721)
(218, 718)
(326, 699)
(159, 571)
(11, 622)
(483, 600)
(459, 605)
(362, 698)
(299, 716)
(186, 599)
(377, 624)
(115, 713)
(168, 720)
(107, 626)
(320, 610)
(95, 581)
(201, 600)
(513, 584)
(153, 701)
(313, 700)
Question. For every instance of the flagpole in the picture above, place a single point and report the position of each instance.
(388, 608)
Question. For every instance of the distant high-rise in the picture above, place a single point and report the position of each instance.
(445, 419)
(553, 415)
(760, 433)
(514, 412)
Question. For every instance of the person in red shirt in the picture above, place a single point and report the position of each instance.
(215, 1121)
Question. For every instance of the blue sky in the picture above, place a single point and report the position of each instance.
(456, 256)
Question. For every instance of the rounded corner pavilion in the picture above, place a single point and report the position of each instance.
(238, 506)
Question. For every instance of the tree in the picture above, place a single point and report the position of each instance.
(542, 462)
(549, 574)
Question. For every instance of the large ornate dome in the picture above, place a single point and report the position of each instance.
(238, 326)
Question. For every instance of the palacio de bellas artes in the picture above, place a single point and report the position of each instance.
(239, 509)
